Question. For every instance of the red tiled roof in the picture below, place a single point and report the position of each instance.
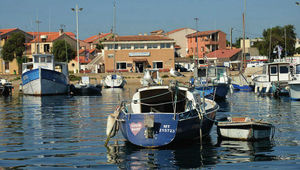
(203, 33)
(176, 30)
(4, 31)
(139, 38)
(83, 59)
(96, 37)
(92, 50)
(223, 53)
(51, 36)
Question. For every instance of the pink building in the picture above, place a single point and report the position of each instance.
(208, 41)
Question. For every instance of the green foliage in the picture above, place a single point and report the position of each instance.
(14, 47)
(238, 42)
(72, 77)
(164, 76)
(61, 49)
(277, 38)
(297, 50)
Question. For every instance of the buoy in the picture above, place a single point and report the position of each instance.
(255, 89)
(260, 88)
(267, 89)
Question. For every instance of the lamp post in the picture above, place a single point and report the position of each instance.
(196, 49)
(76, 9)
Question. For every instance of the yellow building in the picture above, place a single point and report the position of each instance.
(10, 67)
(135, 53)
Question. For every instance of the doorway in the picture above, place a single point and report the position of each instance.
(139, 67)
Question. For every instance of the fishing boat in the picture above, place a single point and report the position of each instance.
(163, 115)
(5, 87)
(274, 79)
(244, 128)
(213, 81)
(294, 85)
(85, 88)
(44, 76)
(151, 77)
(242, 84)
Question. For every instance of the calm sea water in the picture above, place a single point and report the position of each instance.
(69, 132)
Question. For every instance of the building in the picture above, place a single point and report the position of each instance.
(11, 67)
(96, 39)
(226, 55)
(207, 41)
(181, 40)
(250, 50)
(137, 52)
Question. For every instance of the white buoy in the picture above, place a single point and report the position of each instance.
(255, 89)
(267, 89)
(111, 126)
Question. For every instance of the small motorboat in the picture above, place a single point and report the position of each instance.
(244, 128)
(84, 88)
(5, 87)
(114, 81)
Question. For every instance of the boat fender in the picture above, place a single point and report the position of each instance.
(260, 88)
(255, 89)
(112, 126)
(231, 88)
(268, 89)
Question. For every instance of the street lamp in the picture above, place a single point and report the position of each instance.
(76, 11)
(196, 49)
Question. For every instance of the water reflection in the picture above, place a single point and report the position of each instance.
(128, 156)
(245, 151)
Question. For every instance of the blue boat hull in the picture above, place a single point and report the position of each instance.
(44, 82)
(221, 91)
(166, 130)
(242, 88)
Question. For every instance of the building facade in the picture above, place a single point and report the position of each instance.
(138, 52)
(11, 67)
(179, 35)
(206, 41)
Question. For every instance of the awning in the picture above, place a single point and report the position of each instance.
(139, 60)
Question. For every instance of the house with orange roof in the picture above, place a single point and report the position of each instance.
(95, 39)
(11, 67)
(43, 41)
(205, 42)
(225, 55)
(138, 52)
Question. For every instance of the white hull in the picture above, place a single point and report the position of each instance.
(117, 82)
(44, 87)
(245, 134)
(294, 90)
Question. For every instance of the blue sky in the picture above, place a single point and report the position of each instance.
(143, 16)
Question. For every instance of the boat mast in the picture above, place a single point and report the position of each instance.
(114, 31)
(38, 36)
(244, 49)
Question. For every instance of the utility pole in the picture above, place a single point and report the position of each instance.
(196, 49)
(77, 43)
(270, 45)
(38, 37)
(285, 42)
(231, 37)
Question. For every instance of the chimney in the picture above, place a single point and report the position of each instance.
(61, 31)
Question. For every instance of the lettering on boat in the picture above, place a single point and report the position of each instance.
(135, 128)
(167, 129)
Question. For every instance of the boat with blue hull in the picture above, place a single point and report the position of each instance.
(163, 115)
(212, 81)
(40, 77)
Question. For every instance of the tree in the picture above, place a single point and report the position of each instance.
(297, 50)
(61, 49)
(14, 48)
(238, 42)
(277, 38)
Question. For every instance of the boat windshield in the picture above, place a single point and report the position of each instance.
(298, 69)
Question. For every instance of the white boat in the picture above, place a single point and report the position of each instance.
(274, 79)
(294, 85)
(44, 76)
(151, 77)
(114, 81)
(244, 128)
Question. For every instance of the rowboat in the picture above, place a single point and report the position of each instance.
(245, 128)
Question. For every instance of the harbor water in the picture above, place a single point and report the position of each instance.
(69, 132)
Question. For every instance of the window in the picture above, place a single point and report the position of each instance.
(139, 46)
(116, 46)
(162, 45)
(158, 64)
(6, 65)
(155, 45)
(43, 59)
(110, 46)
(46, 48)
(121, 66)
(284, 69)
(36, 59)
(125, 46)
(49, 59)
(149, 46)
(298, 69)
(273, 70)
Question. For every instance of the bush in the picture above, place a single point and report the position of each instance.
(164, 76)
(72, 77)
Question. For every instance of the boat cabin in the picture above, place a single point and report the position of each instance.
(45, 61)
(212, 71)
(277, 71)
